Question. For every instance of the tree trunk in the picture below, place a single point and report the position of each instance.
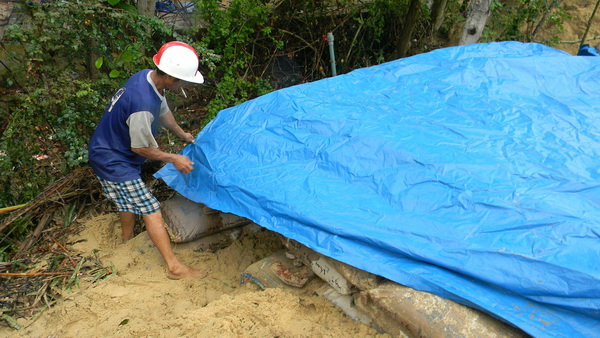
(91, 61)
(438, 9)
(146, 7)
(410, 20)
(6, 9)
(477, 15)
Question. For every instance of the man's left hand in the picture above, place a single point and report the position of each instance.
(187, 138)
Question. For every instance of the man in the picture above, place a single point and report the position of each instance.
(125, 138)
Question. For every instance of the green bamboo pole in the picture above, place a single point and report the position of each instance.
(9, 209)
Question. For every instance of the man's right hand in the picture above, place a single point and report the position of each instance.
(183, 164)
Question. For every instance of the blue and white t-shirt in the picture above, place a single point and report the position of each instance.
(131, 120)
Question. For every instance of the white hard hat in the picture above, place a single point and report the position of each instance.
(179, 60)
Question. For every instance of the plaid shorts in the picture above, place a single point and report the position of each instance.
(131, 196)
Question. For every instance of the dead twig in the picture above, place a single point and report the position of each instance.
(45, 196)
(581, 41)
(64, 249)
(5, 266)
(32, 274)
(36, 233)
(587, 29)
(41, 292)
(308, 44)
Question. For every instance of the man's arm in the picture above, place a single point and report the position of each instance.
(144, 144)
(181, 162)
(168, 122)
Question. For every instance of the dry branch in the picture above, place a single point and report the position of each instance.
(587, 29)
(53, 193)
(32, 274)
(36, 233)
(580, 41)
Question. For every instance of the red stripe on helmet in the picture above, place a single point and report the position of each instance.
(166, 46)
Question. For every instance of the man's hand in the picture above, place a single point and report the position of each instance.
(183, 164)
(187, 138)
(168, 121)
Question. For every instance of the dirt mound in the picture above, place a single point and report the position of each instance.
(140, 301)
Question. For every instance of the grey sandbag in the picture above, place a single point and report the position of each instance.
(277, 271)
(405, 312)
(187, 220)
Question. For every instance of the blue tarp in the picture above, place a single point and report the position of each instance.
(469, 172)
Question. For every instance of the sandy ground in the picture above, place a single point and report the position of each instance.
(574, 26)
(141, 302)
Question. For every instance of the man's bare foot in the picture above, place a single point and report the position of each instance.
(186, 272)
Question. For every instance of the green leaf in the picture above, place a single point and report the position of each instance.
(128, 7)
(11, 322)
(129, 54)
(113, 2)
(99, 62)
(124, 322)
(114, 73)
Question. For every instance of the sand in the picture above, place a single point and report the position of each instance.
(580, 12)
(139, 301)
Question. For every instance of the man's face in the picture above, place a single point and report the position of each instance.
(173, 83)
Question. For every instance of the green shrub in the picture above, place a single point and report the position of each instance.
(84, 38)
(61, 58)
(56, 122)
(241, 37)
(524, 20)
